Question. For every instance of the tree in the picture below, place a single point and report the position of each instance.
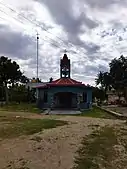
(18, 93)
(9, 73)
(99, 79)
(24, 80)
(116, 78)
(118, 71)
(98, 94)
(104, 79)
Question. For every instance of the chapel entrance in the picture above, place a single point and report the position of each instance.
(65, 100)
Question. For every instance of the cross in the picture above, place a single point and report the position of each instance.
(65, 51)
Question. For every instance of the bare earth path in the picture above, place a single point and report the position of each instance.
(56, 148)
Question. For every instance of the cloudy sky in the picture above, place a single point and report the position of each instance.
(92, 31)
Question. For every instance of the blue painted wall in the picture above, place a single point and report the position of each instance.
(53, 90)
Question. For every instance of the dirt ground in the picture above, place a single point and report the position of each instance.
(50, 149)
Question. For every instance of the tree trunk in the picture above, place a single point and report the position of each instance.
(105, 92)
(119, 96)
(126, 94)
(6, 93)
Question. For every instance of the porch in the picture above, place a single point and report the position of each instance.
(65, 100)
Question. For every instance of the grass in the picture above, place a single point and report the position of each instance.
(97, 113)
(31, 108)
(97, 151)
(22, 107)
(13, 127)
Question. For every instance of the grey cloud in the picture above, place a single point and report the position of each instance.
(87, 70)
(15, 44)
(92, 48)
(104, 3)
(103, 68)
(120, 38)
(116, 24)
(47, 64)
(19, 45)
(106, 59)
(63, 15)
(28, 15)
(92, 57)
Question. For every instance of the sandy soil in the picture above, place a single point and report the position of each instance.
(56, 148)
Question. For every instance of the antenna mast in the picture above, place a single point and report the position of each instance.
(37, 53)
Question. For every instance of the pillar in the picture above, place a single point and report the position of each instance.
(89, 98)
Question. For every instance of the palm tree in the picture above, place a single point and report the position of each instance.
(99, 79)
(104, 79)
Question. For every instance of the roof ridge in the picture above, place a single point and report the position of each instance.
(71, 80)
(58, 81)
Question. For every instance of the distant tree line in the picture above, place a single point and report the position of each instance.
(116, 78)
(13, 83)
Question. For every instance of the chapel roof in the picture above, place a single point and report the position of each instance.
(63, 82)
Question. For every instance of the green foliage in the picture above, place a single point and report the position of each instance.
(10, 74)
(9, 71)
(2, 93)
(118, 71)
(98, 93)
(22, 107)
(116, 78)
(105, 80)
(97, 113)
(97, 150)
(18, 93)
(14, 127)
(23, 79)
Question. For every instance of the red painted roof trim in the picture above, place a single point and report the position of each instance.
(63, 82)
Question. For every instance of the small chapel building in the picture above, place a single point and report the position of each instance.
(65, 92)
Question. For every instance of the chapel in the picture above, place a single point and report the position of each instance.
(65, 92)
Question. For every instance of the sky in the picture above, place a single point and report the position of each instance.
(92, 31)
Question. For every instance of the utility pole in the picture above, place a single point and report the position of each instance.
(37, 53)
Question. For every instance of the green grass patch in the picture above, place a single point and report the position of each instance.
(22, 107)
(13, 127)
(97, 151)
(97, 113)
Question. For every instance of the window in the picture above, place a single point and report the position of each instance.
(45, 97)
(84, 97)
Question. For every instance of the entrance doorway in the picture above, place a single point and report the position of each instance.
(65, 100)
